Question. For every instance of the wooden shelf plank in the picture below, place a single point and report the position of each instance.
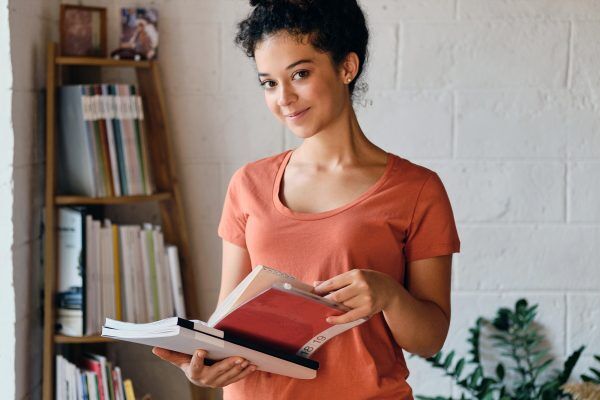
(82, 200)
(101, 62)
(62, 339)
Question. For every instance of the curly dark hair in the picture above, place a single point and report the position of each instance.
(337, 27)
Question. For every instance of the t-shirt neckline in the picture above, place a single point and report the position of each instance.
(283, 209)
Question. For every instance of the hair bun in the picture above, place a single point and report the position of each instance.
(255, 3)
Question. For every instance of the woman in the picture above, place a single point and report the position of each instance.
(371, 230)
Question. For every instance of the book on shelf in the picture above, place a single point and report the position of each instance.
(93, 378)
(271, 319)
(70, 285)
(126, 272)
(102, 140)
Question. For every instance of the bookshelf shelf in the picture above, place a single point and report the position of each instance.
(80, 200)
(101, 62)
(83, 70)
(62, 339)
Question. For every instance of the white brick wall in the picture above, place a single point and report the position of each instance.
(500, 97)
(7, 293)
(32, 24)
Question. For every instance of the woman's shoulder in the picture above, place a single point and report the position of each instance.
(407, 170)
(259, 171)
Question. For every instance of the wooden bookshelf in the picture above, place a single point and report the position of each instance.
(65, 70)
(101, 62)
(62, 339)
(79, 200)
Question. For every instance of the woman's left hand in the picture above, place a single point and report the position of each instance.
(365, 291)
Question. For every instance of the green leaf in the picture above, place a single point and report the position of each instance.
(500, 372)
(476, 376)
(459, 367)
(448, 360)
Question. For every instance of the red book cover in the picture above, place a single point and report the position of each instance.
(280, 318)
(96, 368)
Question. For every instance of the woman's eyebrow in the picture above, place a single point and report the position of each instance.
(292, 65)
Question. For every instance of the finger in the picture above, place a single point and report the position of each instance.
(343, 294)
(196, 366)
(171, 356)
(337, 282)
(230, 374)
(213, 372)
(350, 316)
(355, 302)
(247, 371)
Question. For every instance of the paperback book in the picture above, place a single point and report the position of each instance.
(271, 319)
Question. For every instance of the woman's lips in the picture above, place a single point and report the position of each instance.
(299, 115)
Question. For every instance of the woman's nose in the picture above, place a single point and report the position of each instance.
(286, 95)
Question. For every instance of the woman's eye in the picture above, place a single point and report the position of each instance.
(265, 84)
(302, 74)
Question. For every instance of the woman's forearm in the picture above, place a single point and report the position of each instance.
(420, 327)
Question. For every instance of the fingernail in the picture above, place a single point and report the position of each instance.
(238, 362)
(329, 320)
(199, 353)
(245, 364)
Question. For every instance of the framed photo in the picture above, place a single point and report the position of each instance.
(82, 31)
(139, 33)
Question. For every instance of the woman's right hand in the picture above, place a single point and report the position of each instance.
(220, 374)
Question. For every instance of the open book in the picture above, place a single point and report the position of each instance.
(272, 319)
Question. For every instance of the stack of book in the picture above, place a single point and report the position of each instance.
(103, 141)
(119, 271)
(95, 379)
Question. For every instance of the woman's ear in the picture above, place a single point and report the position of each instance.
(350, 67)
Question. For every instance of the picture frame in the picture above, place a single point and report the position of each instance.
(139, 34)
(82, 31)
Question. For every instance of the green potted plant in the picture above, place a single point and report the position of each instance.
(519, 340)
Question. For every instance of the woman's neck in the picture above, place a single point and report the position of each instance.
(341, 144)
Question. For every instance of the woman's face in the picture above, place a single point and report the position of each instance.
(296, 77)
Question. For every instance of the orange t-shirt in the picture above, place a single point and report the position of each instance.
(405, 216)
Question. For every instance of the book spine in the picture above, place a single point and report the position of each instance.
(126, 140)
(70, 276)
(108, 115)
(150, 188)
(103, 137)
(129, 393)
(175, 272)
(89, 276)
(139, 143)
(76, 165)
(116, 115)
(117, 272)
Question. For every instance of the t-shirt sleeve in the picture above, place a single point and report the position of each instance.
(232, 226)
(432, 231)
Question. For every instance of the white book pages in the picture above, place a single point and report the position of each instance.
(160, 325)
(187, 341)
(177, 287)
